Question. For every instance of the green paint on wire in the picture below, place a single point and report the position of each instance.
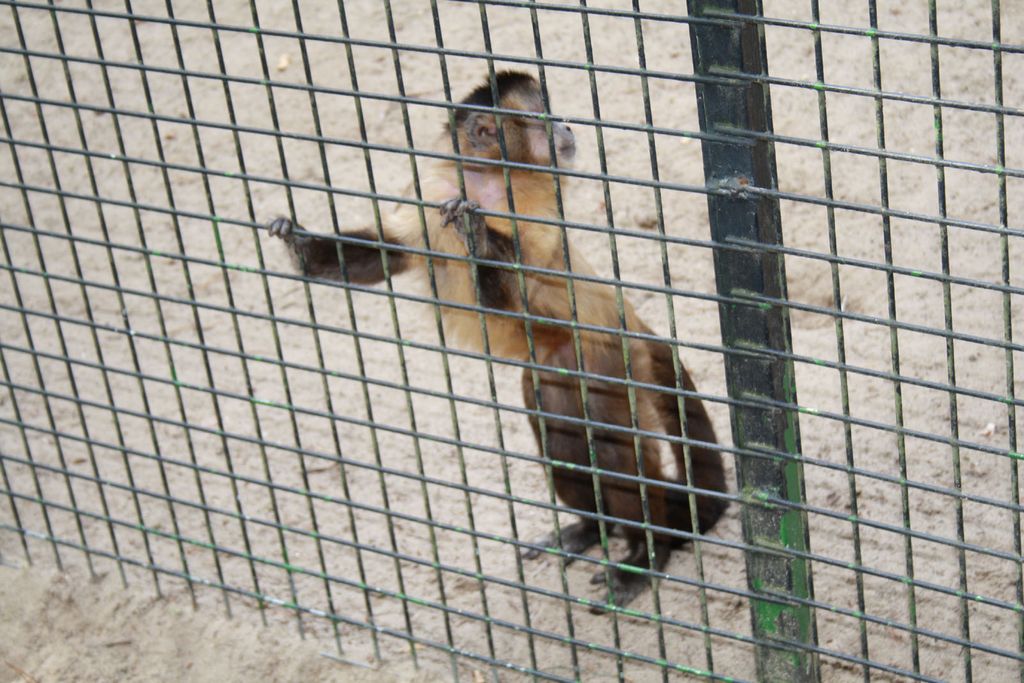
(216, 238)
(272, 404)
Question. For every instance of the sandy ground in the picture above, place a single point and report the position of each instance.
(106, 633)
(278, 542)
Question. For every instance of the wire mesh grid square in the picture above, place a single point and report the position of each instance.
(181, 409)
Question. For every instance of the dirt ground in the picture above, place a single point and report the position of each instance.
(98, 631)
(163, 354)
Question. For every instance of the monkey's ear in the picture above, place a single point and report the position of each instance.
(481, 130)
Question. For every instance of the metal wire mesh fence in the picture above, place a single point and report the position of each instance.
(182, 407)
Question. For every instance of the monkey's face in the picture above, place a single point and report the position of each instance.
(526, 140)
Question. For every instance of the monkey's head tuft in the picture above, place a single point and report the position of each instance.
(526, 138)
(516, 90)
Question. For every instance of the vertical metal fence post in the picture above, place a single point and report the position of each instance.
(725, 46)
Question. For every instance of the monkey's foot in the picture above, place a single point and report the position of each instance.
(625, 586)
(475, 235)
(284, 228)
(575, 538)
(453, 210)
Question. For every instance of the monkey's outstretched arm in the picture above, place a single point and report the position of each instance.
(498, 286)
(318, 256)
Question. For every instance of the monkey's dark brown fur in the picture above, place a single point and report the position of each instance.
(459, 230)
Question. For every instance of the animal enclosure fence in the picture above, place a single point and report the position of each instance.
(179, 407)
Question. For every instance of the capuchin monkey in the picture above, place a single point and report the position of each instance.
(459, 229)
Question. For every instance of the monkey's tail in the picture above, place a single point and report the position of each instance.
(706, 463)
(706, 467)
